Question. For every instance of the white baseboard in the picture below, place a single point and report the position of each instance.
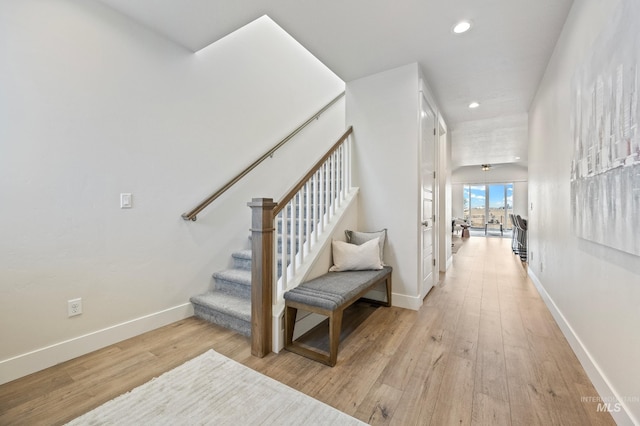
(599, 380)
(31, 362)
(407, 302)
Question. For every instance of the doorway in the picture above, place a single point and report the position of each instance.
(428, 204)
(487, 207)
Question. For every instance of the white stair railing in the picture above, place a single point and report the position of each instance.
(303, 215)
(301, 218)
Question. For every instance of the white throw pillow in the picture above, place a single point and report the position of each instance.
(352, 257)
(359, 237)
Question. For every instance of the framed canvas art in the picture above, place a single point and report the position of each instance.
(605, 167)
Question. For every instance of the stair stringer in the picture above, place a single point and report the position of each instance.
(316, 262)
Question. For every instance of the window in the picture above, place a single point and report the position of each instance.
(488, 204)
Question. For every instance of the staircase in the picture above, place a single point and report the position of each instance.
(228, 304)
(300, 218)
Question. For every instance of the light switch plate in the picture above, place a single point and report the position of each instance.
(126, 201)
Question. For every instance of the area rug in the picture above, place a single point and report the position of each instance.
(214, 390)
(456, 243)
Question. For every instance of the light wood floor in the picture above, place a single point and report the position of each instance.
(483, 350)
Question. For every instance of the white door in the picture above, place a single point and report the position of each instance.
(427, 168)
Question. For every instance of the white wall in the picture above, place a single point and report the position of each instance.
(93, 105)
(383, 109)
(521, 199)
(593, 290)
(457, 200)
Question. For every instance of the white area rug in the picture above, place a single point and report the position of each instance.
(214, 390)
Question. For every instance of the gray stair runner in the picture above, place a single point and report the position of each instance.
(228, 304)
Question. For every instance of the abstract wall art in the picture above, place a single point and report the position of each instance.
(605, 167)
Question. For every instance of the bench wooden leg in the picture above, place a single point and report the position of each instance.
(335, 325)
(388, 285)
(289, 323)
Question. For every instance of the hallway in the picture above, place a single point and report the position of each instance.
(483, 350)
(523, 370)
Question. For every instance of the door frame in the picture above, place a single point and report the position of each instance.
(443, 183)
(424, 97)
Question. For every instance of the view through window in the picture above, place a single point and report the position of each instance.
(488, 204)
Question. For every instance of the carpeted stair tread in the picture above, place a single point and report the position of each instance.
(242, 259)
(224, 309)
(223, 302)
(239, 276)
(242, 254)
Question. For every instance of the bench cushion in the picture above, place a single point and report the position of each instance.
(331, 290)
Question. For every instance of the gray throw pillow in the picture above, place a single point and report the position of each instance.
(357, 237)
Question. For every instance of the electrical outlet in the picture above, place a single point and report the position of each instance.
(74, 307)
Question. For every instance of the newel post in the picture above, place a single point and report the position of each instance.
(261, 274)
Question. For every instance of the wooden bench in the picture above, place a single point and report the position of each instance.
(329, 295)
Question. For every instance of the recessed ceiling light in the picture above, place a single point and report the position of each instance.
(462, 27)
(517, 158)
(474, 105)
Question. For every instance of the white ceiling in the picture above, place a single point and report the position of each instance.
(496, 140)
(499, 63)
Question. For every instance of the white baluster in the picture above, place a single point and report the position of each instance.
(277, 293)
(283, 244)
(348, 162)
(345, 169)
(334, 183)
(292, 239)
(329, 187)
(301, 224)
(277, 279)
(316, 203)
(309, 221)
(339, 174)
(322, 197)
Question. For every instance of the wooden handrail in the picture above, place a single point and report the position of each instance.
(192, 215)
(294, 190)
